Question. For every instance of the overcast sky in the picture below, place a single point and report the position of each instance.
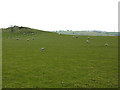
(52, 15)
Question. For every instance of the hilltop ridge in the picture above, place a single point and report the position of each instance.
(21, 29)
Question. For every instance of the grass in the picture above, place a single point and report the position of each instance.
(67, 62)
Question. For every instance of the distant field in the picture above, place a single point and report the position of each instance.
(89, 33)
(66, 62)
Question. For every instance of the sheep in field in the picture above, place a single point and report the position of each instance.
(17, 38)
(106, 44)
(86, 41)
(32, 38)
(27, 39)
(42, 49)
(76, 36)
(88, 37)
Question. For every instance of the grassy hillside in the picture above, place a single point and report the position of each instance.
(66, 62)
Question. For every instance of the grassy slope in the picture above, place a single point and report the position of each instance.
(66, 59)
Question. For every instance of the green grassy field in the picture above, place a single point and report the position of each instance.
(66, 62)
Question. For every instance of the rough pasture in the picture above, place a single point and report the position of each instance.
(66, 63)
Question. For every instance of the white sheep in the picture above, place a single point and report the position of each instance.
(86, 41)
(88, 37)
(17, 38)
(42, 49)
(32, 38)
(76, 36)
(27, 39)
(106, 44)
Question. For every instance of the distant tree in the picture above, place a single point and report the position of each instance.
(20, 27)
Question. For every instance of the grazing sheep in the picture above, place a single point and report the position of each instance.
(62, 83)
(32, 38)
(73, 36)
(76, 36)
(42, 49)
(17, 38)
(88, 37)
(106, 44)
(86, 41)
(27, 39)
